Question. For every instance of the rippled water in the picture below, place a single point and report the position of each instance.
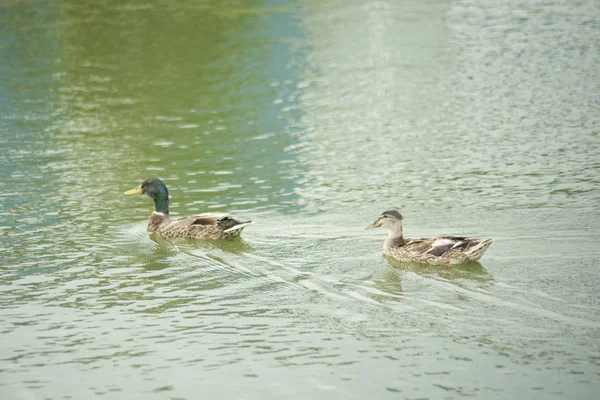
(311, 118)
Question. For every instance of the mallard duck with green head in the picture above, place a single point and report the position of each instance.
(202, 226)
(437, 250)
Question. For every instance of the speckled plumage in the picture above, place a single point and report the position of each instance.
(203, 226)
(437, 250)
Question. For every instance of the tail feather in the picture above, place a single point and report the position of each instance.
(476, 252)
(241, 225)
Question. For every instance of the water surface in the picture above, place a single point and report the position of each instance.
(311, 118)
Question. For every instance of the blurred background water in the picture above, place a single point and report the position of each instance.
(311, 118)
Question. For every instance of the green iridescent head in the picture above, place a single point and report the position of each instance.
(156, 190)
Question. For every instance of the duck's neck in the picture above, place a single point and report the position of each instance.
(395, 237)
(161, 201)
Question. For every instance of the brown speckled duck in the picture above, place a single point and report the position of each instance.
(203, 226)
(437, 250)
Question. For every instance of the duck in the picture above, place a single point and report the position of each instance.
(436, 250)
(205, 226)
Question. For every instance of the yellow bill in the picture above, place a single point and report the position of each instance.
(137, 190)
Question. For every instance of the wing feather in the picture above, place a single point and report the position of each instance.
(204, 221)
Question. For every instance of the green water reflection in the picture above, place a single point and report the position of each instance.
(310, 118)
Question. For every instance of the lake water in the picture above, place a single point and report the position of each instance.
(311, 118)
